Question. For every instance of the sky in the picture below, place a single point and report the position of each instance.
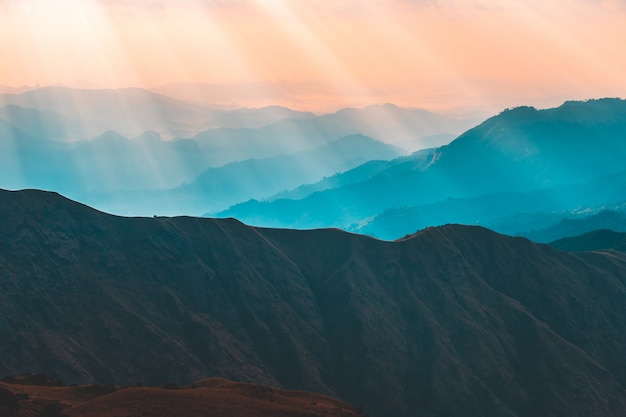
(321, 55)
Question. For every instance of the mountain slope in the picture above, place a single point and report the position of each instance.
(602, 239)
(409, 129)
(41, 124)
(452, 321)
(128, 111)
(218, 188)
(214, 397)
(575, 226)
(521, 150)
(536, 215)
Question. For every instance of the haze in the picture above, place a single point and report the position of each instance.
(319, 55)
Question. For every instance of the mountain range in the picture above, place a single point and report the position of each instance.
(122, 149)
(218, 188)
(529, 163)
(596, 240)
(453, 320)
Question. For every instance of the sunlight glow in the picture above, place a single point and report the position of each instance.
(320, 55)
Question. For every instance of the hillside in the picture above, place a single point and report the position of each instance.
(451, 321)
(218, 188)
(522, 150)
(213, 397)
(602, 239)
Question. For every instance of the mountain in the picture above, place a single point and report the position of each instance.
(522, 150)
(32, 395)
(128, 111)
(574, 226)
(542, 215)
(22, 157)
(41, 124)
(218, 188)
(15, 90)
(602, 239)
(254, 117)
(454, 320)
(409, 129)
(108, 163)
(418, 159)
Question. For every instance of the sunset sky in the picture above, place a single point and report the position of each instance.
(320, 54)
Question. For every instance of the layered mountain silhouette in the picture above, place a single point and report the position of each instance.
(574, 226)
(218, 188)
(108, 147)
(454, 320)
(523, 151)
(542, 215)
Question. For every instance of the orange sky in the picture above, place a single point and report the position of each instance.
(323, 54)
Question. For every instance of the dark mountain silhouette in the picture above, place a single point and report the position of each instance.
(519, 151)
(452, 321)
(214, 397)
(602, 239)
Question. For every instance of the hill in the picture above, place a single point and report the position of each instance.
(521, 150)
(453, 321)
(542, 215)
(602, 239)
(215, 397)
(218, 188)
(128, 111)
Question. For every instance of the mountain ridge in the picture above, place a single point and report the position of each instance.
(456, 320)
(522, 150)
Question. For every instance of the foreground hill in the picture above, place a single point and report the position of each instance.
(455, 321)
(213, 397)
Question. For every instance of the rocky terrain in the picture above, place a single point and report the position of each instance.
(35, 396)
(451, 321)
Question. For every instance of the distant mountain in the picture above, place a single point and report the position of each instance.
(574, 226)
(41, 124)
(451, 321)
(419, 160)
(21, 156)
(408, 129)
(542, 215)
(253, 118)
(519, 151)
(411, 129)
(28, 395)
(602, 239)
(218, 188)
(108, 163)
(4, 89)
(129, 111)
